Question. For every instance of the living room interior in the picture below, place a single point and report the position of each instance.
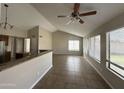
(61, 46)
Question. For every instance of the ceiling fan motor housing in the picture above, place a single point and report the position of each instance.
(75, 14)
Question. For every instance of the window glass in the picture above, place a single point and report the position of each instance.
(117, 47)
(73, 45)
(95, 47)
(115, 51)
(92, 46)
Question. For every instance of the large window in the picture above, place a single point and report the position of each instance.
(85, 44)
(115, 51)
(92, 46)
(73, 45)
(94, 50)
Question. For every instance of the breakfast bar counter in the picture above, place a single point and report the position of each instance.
(25, 72)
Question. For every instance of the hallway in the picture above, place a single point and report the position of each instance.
(71, 72)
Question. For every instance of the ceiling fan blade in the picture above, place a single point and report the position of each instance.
(69, 22)
(88, 13)
(81, 21)
(76, 7)
(62, 16)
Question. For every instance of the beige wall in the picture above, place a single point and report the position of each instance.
(41, 39)
(45, 39)
(113, 80)
(60, 43)
(33, 35)
(14, 32)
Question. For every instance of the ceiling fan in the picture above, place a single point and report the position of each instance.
(76, 16)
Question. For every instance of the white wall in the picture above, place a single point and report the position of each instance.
(113, 80)
(45, 39)
(27, 74)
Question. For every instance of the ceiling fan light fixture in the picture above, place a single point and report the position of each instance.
(76, 16)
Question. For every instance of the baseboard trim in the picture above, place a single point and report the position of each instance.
(41, 77)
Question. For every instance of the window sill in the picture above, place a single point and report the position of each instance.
(74, 50)
(97, 60)
(115, 73)
(114, 68)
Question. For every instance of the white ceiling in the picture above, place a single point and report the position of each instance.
(24, 17)
(105, 13)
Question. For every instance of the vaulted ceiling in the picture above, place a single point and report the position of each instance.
(105, 12)
(24, 16)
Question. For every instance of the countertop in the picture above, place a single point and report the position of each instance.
(22, 60)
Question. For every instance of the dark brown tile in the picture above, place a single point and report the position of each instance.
(71, 72)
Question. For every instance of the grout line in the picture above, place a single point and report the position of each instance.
(99, 73)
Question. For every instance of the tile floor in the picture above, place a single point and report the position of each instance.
(71, 72)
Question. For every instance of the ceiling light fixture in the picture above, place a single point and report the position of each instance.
(6, 25)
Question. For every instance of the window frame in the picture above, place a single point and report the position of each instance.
(75, 50)
(108, 57)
